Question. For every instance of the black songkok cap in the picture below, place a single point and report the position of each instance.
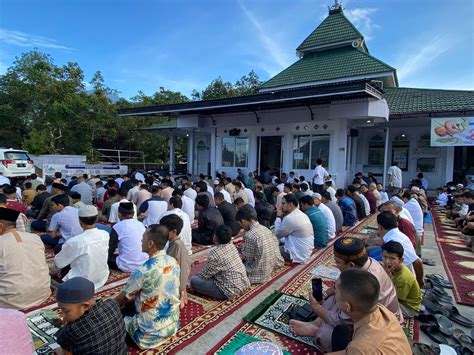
(75, 290)
(349, 248)
(126, 208)
(59, 186)
(7, 214)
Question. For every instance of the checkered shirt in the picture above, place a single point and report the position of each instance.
(226, 268)
(101, 330)
(261, 253)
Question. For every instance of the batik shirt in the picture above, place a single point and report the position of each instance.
(157, 301)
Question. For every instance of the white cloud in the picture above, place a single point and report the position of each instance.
(361, 18)
(21, 39)
(413, 61)
(279, 56)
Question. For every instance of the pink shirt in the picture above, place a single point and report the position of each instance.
(16, 336)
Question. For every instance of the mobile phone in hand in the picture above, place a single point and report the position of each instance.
(317, 285)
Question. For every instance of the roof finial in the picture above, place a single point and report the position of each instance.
(335, 8)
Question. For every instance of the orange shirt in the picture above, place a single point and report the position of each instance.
(379, 333)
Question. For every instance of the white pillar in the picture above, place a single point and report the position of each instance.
(213, 153)
(172, 141)
(449, 164)
(385, 157)
(339, 154)
(190, 166)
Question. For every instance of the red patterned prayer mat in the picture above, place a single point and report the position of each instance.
(458, 260)
(202, 313)
(285, 343)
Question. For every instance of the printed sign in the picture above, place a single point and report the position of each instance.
(450, 132)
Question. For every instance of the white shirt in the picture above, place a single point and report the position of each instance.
(319, 173)
(442, 199)
(87, 255)
(154, 211)
(130, 234)
(226, 195)
(397, 200)
(68, 223)
(131, 192)
(405, 214)
(113, 216)
(331, 221)
(4, 180)
(251, 198)
(119, 181)
(396, 174)
(186, 234)
(416, 213)
(464, 210)
(210, 189)
(383, 196)
(366, 204)
(188, 207)
(191, 193)
(332, 193)
(409, 254)
(296, 231)
(280, 187)
(424, 183)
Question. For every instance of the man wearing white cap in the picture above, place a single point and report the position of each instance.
(86, 254)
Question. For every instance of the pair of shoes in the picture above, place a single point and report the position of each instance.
(439, 295)
(449, 311)
(438, 280)
(423, 349)
(463, 339)
(429, 262)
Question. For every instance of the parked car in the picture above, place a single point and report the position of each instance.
(15, 162)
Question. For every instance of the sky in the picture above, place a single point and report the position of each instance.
(183, 45)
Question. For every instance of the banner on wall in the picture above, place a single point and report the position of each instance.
(451, 132)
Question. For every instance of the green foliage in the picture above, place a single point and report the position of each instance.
(47, 109)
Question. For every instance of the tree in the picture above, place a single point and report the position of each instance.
(219, 89)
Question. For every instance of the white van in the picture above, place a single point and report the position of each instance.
(14, 163)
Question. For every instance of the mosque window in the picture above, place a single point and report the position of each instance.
(376, 151)
(400, 151)
(307, 149)
(235, 152)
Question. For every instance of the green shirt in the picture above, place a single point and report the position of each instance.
(408, 290)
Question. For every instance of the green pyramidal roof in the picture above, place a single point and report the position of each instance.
(335, 28)
(339, 63)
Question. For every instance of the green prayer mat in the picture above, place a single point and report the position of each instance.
(239, 340)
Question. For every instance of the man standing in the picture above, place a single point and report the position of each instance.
(24, 278)
(86, 254)
(320, 175)
(394, 179)
(260, 251)
(295, 231)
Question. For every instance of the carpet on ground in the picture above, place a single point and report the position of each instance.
(457, 258)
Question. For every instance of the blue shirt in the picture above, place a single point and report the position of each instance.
(349, 211)
(320, 226)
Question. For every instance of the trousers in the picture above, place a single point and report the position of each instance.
(207, 287)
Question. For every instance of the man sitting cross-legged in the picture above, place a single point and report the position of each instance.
(208, 220)
(408, 290)
(348, 253)
(86, 255)
(295, 231)
(225, 276)
(260, 251)
(154, 288)
(178, 250)
(316, 216)
(376, 329)
(24, 275)
(127, 236)
(90, 326)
